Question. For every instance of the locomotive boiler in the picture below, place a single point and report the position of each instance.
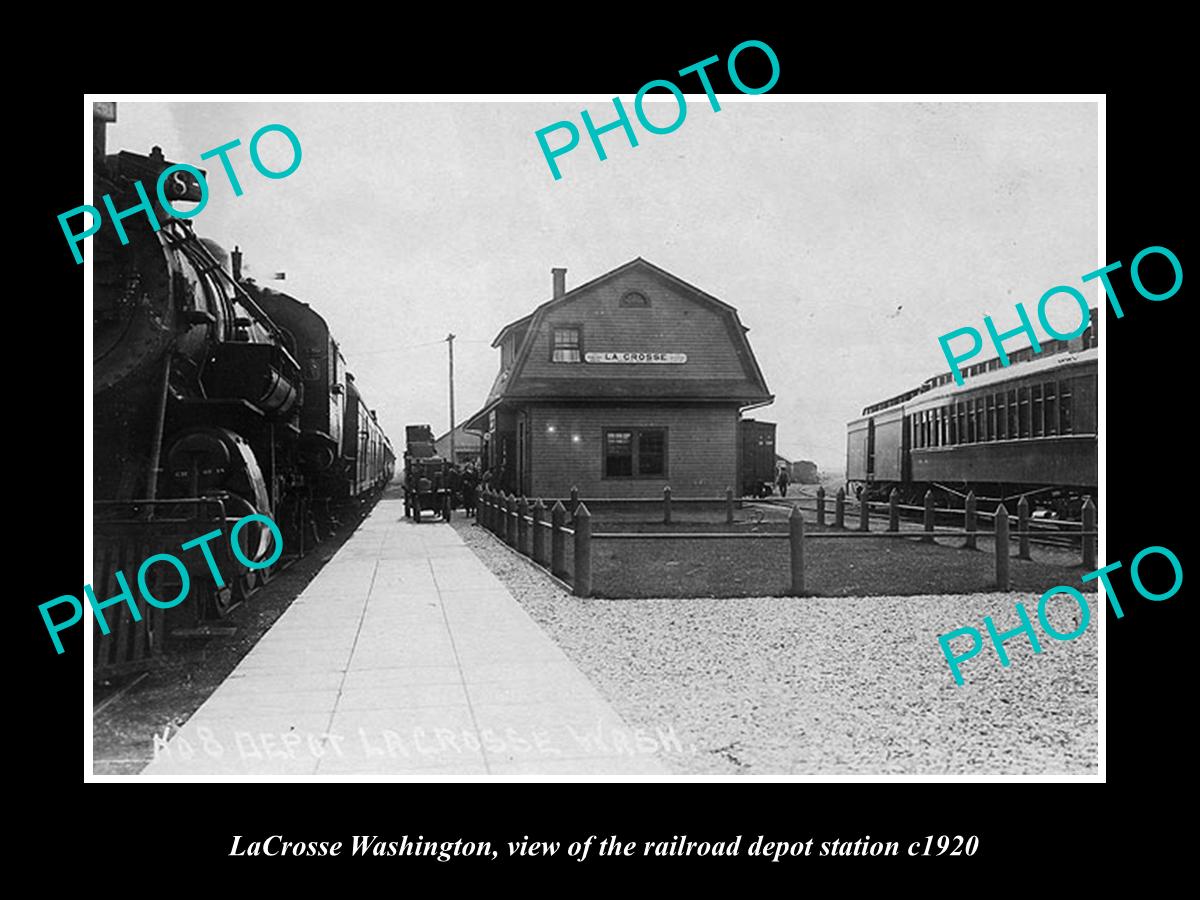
(213, 399)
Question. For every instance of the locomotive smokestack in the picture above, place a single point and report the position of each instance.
(560, 282)
(237, 264)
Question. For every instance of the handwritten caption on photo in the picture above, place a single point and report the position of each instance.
(418, 743)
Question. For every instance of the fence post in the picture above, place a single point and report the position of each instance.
(928, 517)
(574, 500)
(1023, 528)
(728, 506)
(796, 542)
(839, 509)
(1089, 542)
(583, 552)
(538, 551)
(864, 513)
(821, 505)
(558, 538)
(522, 525)
(510, 520)
(969, 518)
(667, 505)
(894, 510)
(1002, 547)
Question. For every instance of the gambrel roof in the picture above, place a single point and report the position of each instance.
(744, 383)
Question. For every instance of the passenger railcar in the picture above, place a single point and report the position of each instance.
(1026, 429)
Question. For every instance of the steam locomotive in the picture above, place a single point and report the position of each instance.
(214, 399)
(1028, 429)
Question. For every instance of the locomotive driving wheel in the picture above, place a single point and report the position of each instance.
(256, 543)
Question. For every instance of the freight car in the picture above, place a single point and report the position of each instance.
(1027, 429)
(756, 462)
(213, 399)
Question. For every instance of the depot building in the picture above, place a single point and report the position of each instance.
(626, 384)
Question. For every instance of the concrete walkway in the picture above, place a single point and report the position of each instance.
(405, 655)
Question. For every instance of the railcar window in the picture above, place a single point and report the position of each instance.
(991, 417)
(1037, 410)
(1051, 409)
(960, 417)
(1066, 423)
(1023, 403)
(1013, 430)
(1001, 417)
(928, 416)
(979, 420)
(970, 411)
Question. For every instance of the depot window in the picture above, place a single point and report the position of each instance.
(635, 453)
(568, 345)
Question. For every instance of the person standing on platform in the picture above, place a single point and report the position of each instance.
(470, 479)
(782, 480)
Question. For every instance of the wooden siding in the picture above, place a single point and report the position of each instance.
(701, 449)
(673, 323)
(1066, 460)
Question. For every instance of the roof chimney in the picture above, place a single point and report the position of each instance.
(560, 282)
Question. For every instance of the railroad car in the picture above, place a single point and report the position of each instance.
(213, 399)
(756, 462)
(1028, 429)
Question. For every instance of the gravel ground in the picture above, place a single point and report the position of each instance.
(837, 685)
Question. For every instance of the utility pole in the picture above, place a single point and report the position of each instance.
(450, 342)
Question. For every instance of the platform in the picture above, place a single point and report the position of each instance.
(404, 655)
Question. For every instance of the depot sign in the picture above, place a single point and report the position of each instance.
(677, 358)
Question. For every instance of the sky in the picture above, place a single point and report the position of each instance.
(849, 236)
